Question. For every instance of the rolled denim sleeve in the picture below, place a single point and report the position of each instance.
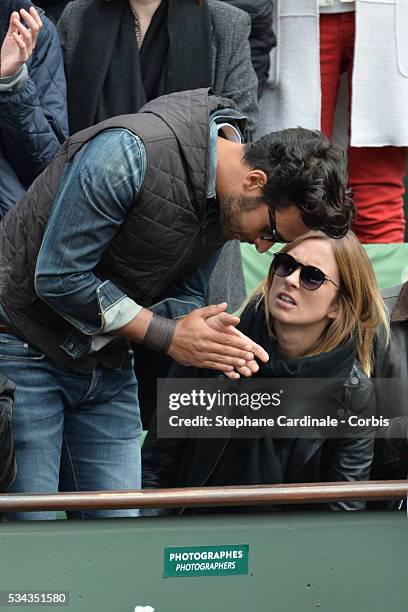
(98, 188)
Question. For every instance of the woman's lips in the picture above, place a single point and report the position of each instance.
(285, 300)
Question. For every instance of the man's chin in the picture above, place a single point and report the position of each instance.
(235, 233)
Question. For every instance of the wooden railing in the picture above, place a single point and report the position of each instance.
(208, 496)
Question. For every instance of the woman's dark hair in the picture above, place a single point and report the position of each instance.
(304, 169)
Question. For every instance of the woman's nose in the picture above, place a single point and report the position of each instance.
(293, 279)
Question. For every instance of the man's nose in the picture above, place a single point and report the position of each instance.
(262, 245)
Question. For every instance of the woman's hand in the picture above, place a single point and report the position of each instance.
(19, 41)
(226, 323)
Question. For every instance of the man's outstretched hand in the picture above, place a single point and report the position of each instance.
(207, 338)
(226, 323)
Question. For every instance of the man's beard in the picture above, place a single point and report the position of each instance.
(231, 209)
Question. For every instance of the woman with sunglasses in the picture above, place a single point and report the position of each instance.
(316, 315)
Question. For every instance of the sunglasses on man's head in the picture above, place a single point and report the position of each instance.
(311, 278)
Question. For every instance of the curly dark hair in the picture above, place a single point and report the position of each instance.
(305, 169)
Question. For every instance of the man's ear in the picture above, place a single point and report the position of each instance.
(253, 180)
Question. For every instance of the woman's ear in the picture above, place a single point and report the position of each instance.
(334, 309)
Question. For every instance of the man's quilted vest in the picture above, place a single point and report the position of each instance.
(167, 234)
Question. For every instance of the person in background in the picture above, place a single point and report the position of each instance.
(33, 113)
(323, 45)
(316, 315)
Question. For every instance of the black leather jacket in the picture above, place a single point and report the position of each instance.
(170, 463)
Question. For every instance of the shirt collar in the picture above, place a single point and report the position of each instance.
(223, 122)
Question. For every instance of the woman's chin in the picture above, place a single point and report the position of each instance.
(282, 315)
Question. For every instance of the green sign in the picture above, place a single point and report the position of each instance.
(226, 560)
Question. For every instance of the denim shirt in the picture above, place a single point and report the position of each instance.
(97, 189)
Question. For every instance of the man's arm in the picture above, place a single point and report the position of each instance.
(195, 342)
(97, 190)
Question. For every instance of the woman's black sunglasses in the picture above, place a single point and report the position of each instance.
(311, 278)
